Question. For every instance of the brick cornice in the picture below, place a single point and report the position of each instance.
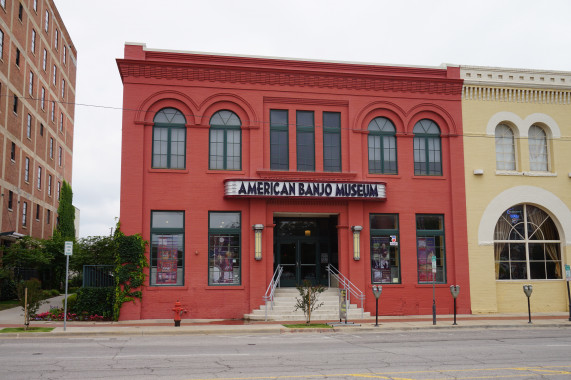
(389, 80)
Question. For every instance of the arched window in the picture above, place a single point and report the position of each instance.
(382, 146)
(225, 141)
(427, 151)
(169, 139)
(505, 148)
(537, 149)
(526, 245)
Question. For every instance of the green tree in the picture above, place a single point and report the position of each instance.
(30, 297)
(66, 214)
(308, 300)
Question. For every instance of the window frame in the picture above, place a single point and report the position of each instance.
(279, 158)
(24, 214)
(336, 153)
(431, 233)
(31, 84)
(536, 144)
(170, 127)
(33, 44)
(302, 164)
(386, 235)
(49, 185)
(378, 136)
(39, 177)
(10, 200)
(526, 240)
(29, 127)
(225, 143)
(500, 140)
(27, 170)
(424, 138)
(212, 233)
(153, 252)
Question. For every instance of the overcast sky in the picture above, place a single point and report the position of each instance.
(517, 34)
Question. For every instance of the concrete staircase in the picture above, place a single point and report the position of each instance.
(284, 304)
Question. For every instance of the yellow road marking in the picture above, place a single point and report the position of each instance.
(547, 370)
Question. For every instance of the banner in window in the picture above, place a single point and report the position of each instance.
(167, 258)
(381, 265)
(425, 250)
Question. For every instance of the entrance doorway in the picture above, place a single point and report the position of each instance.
(304, 247)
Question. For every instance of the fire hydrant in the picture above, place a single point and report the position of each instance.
(178, 310)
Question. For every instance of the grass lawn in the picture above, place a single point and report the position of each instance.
(8, 304)
(309, 326)
(21, 329)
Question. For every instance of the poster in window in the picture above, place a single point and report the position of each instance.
(426, 249)
(167, 257)
(381, 266)
(223, 271)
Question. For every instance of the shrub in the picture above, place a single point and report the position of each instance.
(71, 302)
(94, 301)
(54, 293)
(8, 289)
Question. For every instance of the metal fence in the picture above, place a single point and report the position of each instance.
(98, 276)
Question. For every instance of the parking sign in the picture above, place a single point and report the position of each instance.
(68, 250)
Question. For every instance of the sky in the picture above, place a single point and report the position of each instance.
(503, 33)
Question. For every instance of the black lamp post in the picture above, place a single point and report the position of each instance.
(455, 290)
(377, 289)
(528, 289)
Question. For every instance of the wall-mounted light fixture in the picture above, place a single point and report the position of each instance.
(356, 242)
(478, 171)
(258, 240)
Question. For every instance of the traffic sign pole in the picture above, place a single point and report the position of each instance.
(433, 290)
(568, 278)
(68, 251)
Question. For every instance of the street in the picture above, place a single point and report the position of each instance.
(517, 353)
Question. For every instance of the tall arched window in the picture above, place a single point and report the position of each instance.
(382, 146)
(538, 160)
(225, 141)
(169, 139)
(526, 245)
(505, 148)
(427, 150)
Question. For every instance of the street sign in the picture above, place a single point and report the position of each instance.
(68, 250)
(433, 264)
(568, 272)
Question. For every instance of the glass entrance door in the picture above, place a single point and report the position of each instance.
(299, 259)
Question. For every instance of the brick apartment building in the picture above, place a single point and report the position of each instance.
(37, 97)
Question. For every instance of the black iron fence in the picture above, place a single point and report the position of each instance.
(98, 276)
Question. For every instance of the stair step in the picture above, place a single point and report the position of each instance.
(285, 300)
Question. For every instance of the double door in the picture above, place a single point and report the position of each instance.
(299, 258)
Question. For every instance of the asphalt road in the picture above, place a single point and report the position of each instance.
(526, 353)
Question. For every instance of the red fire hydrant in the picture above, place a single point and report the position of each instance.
(178, 310)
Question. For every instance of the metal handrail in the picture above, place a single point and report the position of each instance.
(345, 283)
(269, 296)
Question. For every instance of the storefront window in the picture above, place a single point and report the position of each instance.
(167, 248)
(224, 248)
(527, 245)
(430, 243)
(385, 258)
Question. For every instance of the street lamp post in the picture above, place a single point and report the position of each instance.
(455, 290)
(528, 289)
(377, 289)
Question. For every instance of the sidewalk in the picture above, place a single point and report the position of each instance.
(14, 318)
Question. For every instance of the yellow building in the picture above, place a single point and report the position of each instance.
(517, 141)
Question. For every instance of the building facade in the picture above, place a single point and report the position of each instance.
(233, 166)
(518, 199)
(37, 88)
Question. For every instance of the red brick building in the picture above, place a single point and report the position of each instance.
(37, 103)
(357, 166)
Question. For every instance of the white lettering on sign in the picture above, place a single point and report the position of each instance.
(354, 190)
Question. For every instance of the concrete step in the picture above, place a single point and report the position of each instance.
(284, 305)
